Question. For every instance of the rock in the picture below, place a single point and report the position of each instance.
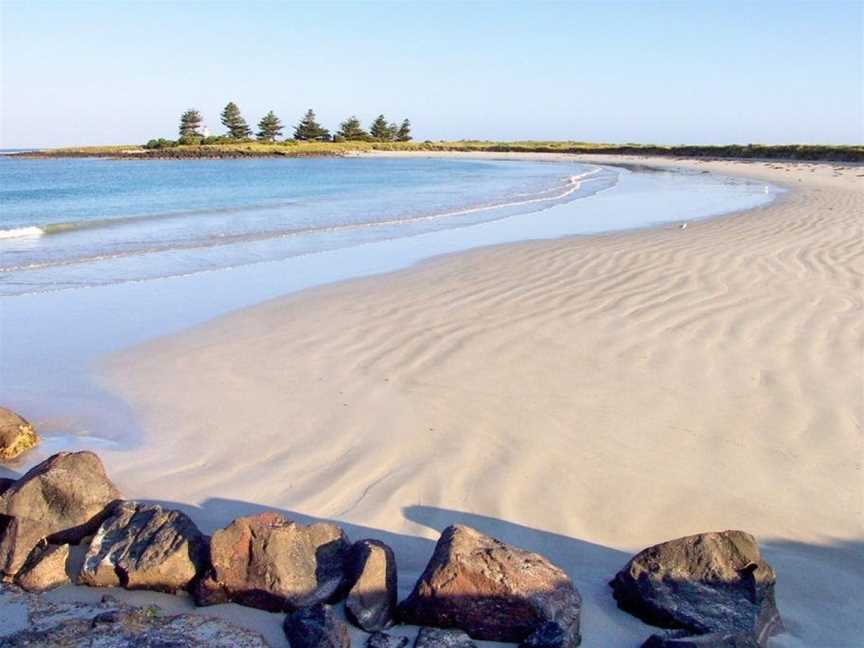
(142, 546)
(16, 435)
(371, 569)
(111, 624)
(548, 635)
(705, 584)
(441, 638)
(384, 640)
(491, 590)
(5, 484)
(316, 627)
(268, 562)
(685, 639)
(49, 569)
(62, 499)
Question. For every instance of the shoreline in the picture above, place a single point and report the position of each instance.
(397, 402)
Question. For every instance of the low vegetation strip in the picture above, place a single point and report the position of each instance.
(292, 148)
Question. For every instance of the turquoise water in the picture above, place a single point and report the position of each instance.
(86, 222)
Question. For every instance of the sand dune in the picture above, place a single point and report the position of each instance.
(583, 398)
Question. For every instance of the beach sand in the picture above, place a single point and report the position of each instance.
(582, 398)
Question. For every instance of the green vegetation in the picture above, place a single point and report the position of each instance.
(350, 130)
(190, 123)
(309, 130)
(269, 128)
(292, 148)
(237, 127)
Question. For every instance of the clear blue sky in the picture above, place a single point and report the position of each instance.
(649, 71)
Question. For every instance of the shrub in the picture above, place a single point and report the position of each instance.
(160, 143)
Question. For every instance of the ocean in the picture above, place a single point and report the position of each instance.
(73, 223)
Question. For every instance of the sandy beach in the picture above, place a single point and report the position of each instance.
(583, 398)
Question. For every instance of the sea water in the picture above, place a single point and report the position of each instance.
(100, 255)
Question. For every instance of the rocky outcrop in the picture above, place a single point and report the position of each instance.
(145, 547)
(491, 590)
(706, 584)
(47, 568)
(62, 499)
(384, 640)
(441, 638)
(16, 435)
(316, 627)
(272, 563)
(31, 620)
(371, 602)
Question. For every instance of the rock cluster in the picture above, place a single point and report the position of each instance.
(712, 589)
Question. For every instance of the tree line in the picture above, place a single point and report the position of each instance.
(270, 129)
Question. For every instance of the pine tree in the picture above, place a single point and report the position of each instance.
(351, 129)
(380, 129)
(190, 122)
(234, 122)
(309, 129)
(269, 128)
(404, 132)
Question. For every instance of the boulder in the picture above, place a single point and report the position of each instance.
(316, 627)
(441, 638)
(384, 640)
(548, 635)
(371, 569)
(46, 569)
(16, 435)
(491, 590)
(685, 639)
(63, 499)
(269, 562)
(142, 546)
(705, 584)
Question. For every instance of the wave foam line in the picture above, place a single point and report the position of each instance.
(572, 185)
(19, 232)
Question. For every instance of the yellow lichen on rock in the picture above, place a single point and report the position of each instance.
(16, 435)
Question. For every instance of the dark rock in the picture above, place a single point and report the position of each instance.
(5, 484)
(706, 584)
(548, 635)
(145, 547)
(491, 590)
(268, 562)
(16, 435)
(316, 627)
(61, 500)
(371, 602)
(384, 640)
(685, 639)
(442, 638)
(46, 569)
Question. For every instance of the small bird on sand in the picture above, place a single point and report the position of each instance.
(683, 225)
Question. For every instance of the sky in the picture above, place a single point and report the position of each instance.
(666, 72)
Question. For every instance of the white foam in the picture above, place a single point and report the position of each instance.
(17, 232)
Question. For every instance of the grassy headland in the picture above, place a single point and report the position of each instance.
(291, 148)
